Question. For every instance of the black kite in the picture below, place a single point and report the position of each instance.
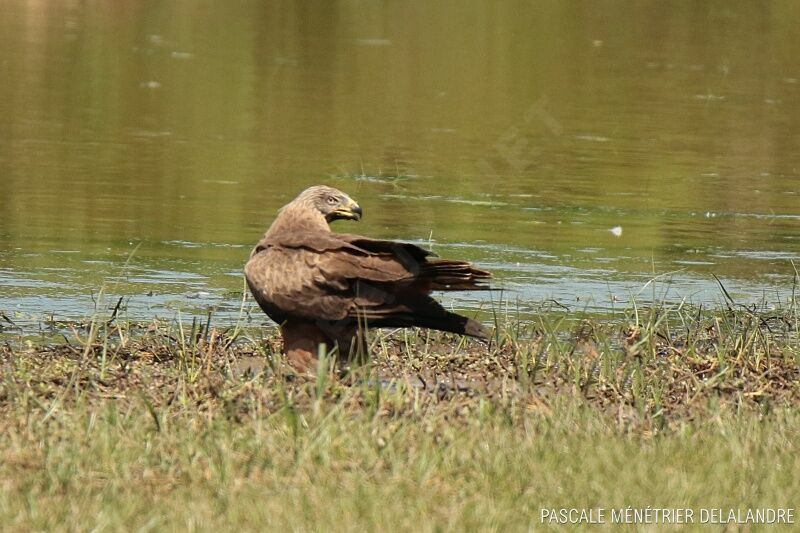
(323, 287)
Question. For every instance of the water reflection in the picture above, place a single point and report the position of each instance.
(515, 134)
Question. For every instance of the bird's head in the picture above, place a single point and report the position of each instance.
(332, 203)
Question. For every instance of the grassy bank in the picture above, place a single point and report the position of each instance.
(159, 426)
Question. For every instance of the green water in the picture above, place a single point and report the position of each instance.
(145, 146)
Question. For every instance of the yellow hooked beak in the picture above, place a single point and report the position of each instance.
(349, 211)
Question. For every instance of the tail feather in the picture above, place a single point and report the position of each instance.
(412, 306)
(447, 275)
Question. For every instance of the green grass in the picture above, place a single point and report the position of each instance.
(166, 427)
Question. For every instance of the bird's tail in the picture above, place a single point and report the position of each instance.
(445, 275)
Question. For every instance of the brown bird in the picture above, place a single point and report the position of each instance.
(325, 288)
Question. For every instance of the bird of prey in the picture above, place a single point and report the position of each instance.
(322, 287)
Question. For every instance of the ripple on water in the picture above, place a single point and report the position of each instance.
(191, 244)
(762, 255)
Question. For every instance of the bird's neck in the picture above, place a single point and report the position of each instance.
(291, 219)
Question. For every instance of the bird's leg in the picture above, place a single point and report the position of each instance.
(353, 345)
(301, 342)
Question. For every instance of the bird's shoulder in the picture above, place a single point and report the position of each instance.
(386, 247)
(321, 242)
(316, 241)
(301, 259)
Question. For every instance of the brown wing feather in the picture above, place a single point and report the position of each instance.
(309, 284)
(442, 274)
(334, 277)
(286, 282)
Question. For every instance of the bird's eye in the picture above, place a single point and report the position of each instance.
(331, 200)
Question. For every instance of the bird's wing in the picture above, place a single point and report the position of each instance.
(302, 282)
(286, 282)
(428, 275)
(383, 282)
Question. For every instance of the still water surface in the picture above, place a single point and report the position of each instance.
(576, 149)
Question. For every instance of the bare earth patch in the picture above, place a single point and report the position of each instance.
(163, 426)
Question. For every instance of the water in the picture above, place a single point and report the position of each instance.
(576, 149)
